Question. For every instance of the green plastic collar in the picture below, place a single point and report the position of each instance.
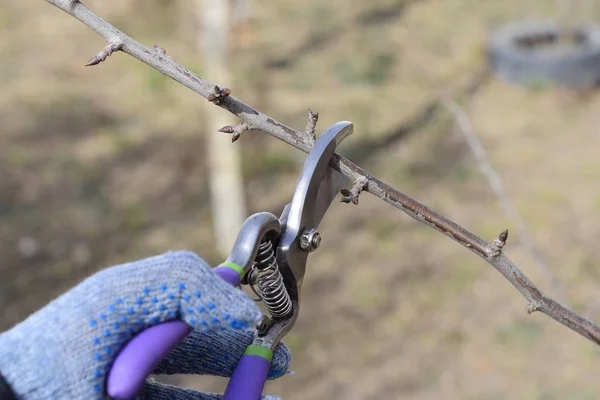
(256, 350)
(234, 267)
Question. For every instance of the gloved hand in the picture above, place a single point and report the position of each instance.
(65, 350)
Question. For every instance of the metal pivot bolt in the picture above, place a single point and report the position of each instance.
(310, 240)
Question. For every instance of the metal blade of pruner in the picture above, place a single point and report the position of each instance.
(317, 187)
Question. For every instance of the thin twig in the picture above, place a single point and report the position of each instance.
(351, 196)
(236, 130)
(110, 48)
(536, 300)
(493, 178)
(499, 243)
(311, 125)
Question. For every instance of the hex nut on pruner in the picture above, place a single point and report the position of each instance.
(310, 240)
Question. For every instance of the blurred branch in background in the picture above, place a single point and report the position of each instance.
(363, 151)
(490, 252)
(466, 128)
(385, 14)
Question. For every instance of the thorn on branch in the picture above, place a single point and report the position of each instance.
(237, 130)
(498, 244)
(311, 125)
(351, 196)
(218, 95)
(110, 48)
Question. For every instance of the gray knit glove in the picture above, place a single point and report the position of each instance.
(65, 350)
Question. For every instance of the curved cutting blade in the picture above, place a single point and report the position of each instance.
(316, 189)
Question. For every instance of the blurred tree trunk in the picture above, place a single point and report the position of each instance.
(226, 186)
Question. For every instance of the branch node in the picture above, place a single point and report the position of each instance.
(73, 3)
(311, 125)
(110, 48)
(237, 130)
(351, 196)
(532, 307)
(218, 95)
(160, 50)
(498, 244)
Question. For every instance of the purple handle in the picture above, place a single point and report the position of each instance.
(142, 354)
(140, 357)
(248, 379)
(228, 274)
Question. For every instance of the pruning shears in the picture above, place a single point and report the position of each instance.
(270, 256)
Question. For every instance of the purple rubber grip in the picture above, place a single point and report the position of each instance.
(229, 275)
(142, 355)
(248, 379)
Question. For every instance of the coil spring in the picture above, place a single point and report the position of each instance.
(269, 286)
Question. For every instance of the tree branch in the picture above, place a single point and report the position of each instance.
(466, 128)
(492, 253)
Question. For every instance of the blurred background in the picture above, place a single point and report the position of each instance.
(107, 164)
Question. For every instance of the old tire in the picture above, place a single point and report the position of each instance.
(527, 53)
